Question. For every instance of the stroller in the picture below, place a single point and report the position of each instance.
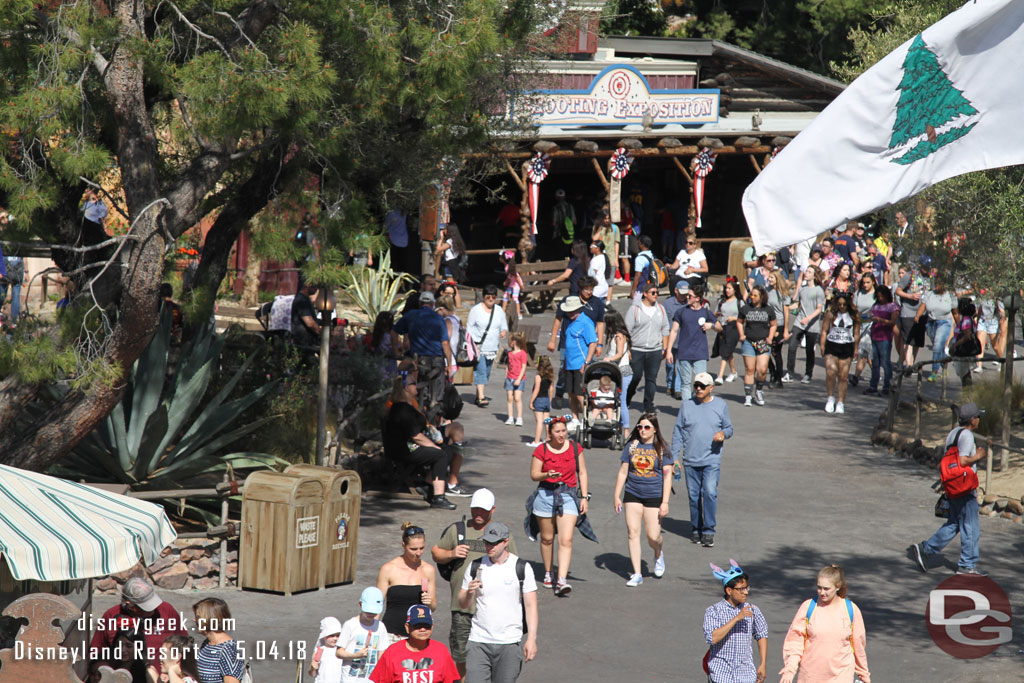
(602, 428)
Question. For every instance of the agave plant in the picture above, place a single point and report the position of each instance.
(376, 289)
(164, 431)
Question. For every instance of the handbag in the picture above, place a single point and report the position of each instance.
(942, 507)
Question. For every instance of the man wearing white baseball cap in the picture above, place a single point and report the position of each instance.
(459, 545)
(363, 638)
(702, 426)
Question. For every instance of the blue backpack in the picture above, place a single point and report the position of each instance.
(810, 611)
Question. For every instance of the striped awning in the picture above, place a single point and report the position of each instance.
(53, 529)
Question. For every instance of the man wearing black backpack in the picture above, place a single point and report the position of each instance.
(460, 544)
(504, 591)
(963, 508)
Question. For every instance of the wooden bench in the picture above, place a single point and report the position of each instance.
(535, 281)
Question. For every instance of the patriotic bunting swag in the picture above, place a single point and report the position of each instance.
(618, 167)
(701, 165)
(536, 171)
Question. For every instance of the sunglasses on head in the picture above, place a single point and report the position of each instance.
(413, 531)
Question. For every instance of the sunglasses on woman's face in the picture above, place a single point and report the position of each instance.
(645, 427)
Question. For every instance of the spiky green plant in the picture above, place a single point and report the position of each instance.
(164, 432)
(376, 289)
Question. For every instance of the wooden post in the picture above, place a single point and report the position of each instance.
(757, 166)
(945, 372)
(988, 467)
(524, 209)
(1004, 454)
(600, 174)
(894, 402)
(222, 581)
(917, 406)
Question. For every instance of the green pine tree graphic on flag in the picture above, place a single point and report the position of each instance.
(927, 101)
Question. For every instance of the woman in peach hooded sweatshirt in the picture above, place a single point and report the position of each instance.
(826, 639)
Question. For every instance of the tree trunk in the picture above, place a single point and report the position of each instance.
(251, 288)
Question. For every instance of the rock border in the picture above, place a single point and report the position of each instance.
(186, 564)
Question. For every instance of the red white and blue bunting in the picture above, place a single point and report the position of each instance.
(536, 171)
(620, 162)
(701, 165)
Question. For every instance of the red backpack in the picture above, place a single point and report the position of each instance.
(956, 480)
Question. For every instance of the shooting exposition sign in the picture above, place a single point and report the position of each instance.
(620, 95)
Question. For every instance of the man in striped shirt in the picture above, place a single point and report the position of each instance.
(728, 627)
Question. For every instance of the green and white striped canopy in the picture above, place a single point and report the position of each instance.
(53, 529)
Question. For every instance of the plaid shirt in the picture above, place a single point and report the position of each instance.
(732, 659)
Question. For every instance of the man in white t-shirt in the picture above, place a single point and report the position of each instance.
(505, 591)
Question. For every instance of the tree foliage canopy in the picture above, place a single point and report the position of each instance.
(180, 109)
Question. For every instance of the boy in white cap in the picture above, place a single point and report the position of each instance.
(459, 545)
(358, 645)
(326, 667)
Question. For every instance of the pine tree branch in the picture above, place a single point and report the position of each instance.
(67, 247)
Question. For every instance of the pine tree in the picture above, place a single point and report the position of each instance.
(927, 98)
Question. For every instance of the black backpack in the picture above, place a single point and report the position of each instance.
(521, 566)
(15, 269)
(451, 402)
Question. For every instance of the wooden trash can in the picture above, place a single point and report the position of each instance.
(282, 527)
(340, 538)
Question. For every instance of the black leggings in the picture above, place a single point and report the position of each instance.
(794, 344)
(437, 458)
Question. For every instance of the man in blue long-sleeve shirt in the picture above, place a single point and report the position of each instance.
(702, 426)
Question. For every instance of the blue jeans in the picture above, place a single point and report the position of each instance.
(963, 520)
(939, 331)
(672, 382)
(624, 405)
(15, 299)
(881, 357)
(702, 488)
(686, 370)
(482, 371)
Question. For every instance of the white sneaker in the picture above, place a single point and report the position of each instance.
(805, 379)
(840, 408)
(759, 397)
(718, 380)
(748, 401)
(572, 425)
(510, 421)
(534, 444)
(978, 368)
(830, 405)
(996, 364)
(787, 378)
(659, 565)
(519, 422)
(731, 377)
(635, 580)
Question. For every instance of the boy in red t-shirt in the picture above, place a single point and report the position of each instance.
(417, 659)
(514, 378)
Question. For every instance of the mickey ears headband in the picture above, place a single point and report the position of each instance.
(727, 575)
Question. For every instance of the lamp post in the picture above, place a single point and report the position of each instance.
(325, 306)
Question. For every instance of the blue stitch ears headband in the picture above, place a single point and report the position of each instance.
(727, 575)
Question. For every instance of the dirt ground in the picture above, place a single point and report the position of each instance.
(936, 421)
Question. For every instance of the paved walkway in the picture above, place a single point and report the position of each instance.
(799, 489)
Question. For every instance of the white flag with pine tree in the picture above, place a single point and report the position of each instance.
(944, 103)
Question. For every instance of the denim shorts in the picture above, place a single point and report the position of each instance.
(747, 349)
(989, 326)
(510, 385)
(542, 404)
(544, 504)
(482, 371)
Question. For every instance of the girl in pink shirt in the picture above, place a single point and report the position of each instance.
(822, 642)
(514, 378)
